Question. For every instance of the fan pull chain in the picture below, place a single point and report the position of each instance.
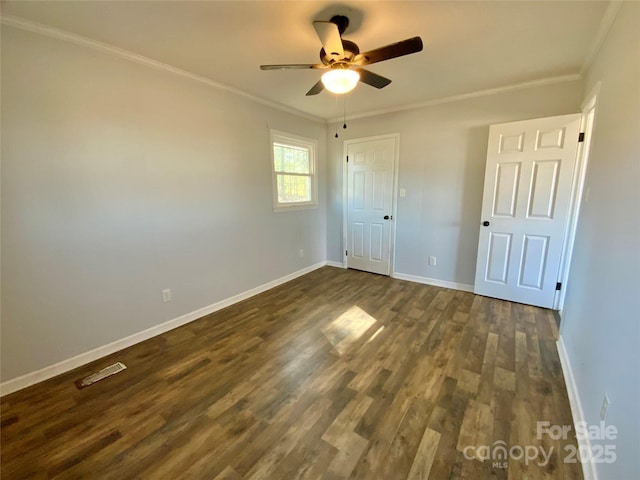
(336, 118)
(344, 125)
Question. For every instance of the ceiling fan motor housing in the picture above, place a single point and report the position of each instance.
(350, 51)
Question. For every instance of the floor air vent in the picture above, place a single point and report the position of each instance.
(101, 375)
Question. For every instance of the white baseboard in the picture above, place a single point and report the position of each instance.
(433, 281)
(50, 371)
(588, 468)
(331, 263)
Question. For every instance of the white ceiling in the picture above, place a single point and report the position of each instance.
(468, 46)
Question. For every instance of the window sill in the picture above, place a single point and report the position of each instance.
(295, 207)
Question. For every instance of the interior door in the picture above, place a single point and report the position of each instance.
(527, 190)
(370, 164)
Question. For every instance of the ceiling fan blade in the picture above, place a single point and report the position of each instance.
(399, 49)
(316, 89)
(329, 35)
(293, 66)
(372, 79)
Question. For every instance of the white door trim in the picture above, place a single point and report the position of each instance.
(394, 203)
(588, 107)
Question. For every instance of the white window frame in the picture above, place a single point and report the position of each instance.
(285, 138)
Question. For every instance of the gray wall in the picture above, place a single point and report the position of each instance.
(118, 181)
(601, 318)
(442, 157)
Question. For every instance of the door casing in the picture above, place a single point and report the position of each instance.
(394, 203)
(589, 110)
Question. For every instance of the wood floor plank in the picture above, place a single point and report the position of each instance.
(237, 436)
(338, 374)
(476, 428)
(421, 466)
(228, 474)
(267, 463)
(406, 441)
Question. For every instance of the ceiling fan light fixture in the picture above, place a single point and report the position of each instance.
(340, 80)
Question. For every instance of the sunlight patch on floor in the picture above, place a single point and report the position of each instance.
(345, 330)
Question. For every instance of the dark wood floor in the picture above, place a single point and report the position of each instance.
(338, 374)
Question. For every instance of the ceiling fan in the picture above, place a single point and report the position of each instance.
(344, 61)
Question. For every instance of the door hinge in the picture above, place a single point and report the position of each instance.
(581, 137)
(347, 158)
(559, 286)
(346, 252)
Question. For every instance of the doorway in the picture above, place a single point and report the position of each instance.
(370, 182)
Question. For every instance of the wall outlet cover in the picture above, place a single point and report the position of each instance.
(166, 295)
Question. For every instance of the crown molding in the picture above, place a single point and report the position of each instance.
(603, 29)
(466, 96)
(102, 47)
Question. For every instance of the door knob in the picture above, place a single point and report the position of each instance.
(386, 217)
(485, 223)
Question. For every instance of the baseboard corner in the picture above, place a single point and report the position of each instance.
(331, 263)
(433, 281)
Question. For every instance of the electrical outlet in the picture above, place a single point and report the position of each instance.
(403, 192)
(166, 295)
(432, 261)
(604, 408)
(301, 253)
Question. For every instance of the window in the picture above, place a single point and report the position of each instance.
(293, 168)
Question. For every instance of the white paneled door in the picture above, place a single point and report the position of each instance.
(525, 206)
(370, 165)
